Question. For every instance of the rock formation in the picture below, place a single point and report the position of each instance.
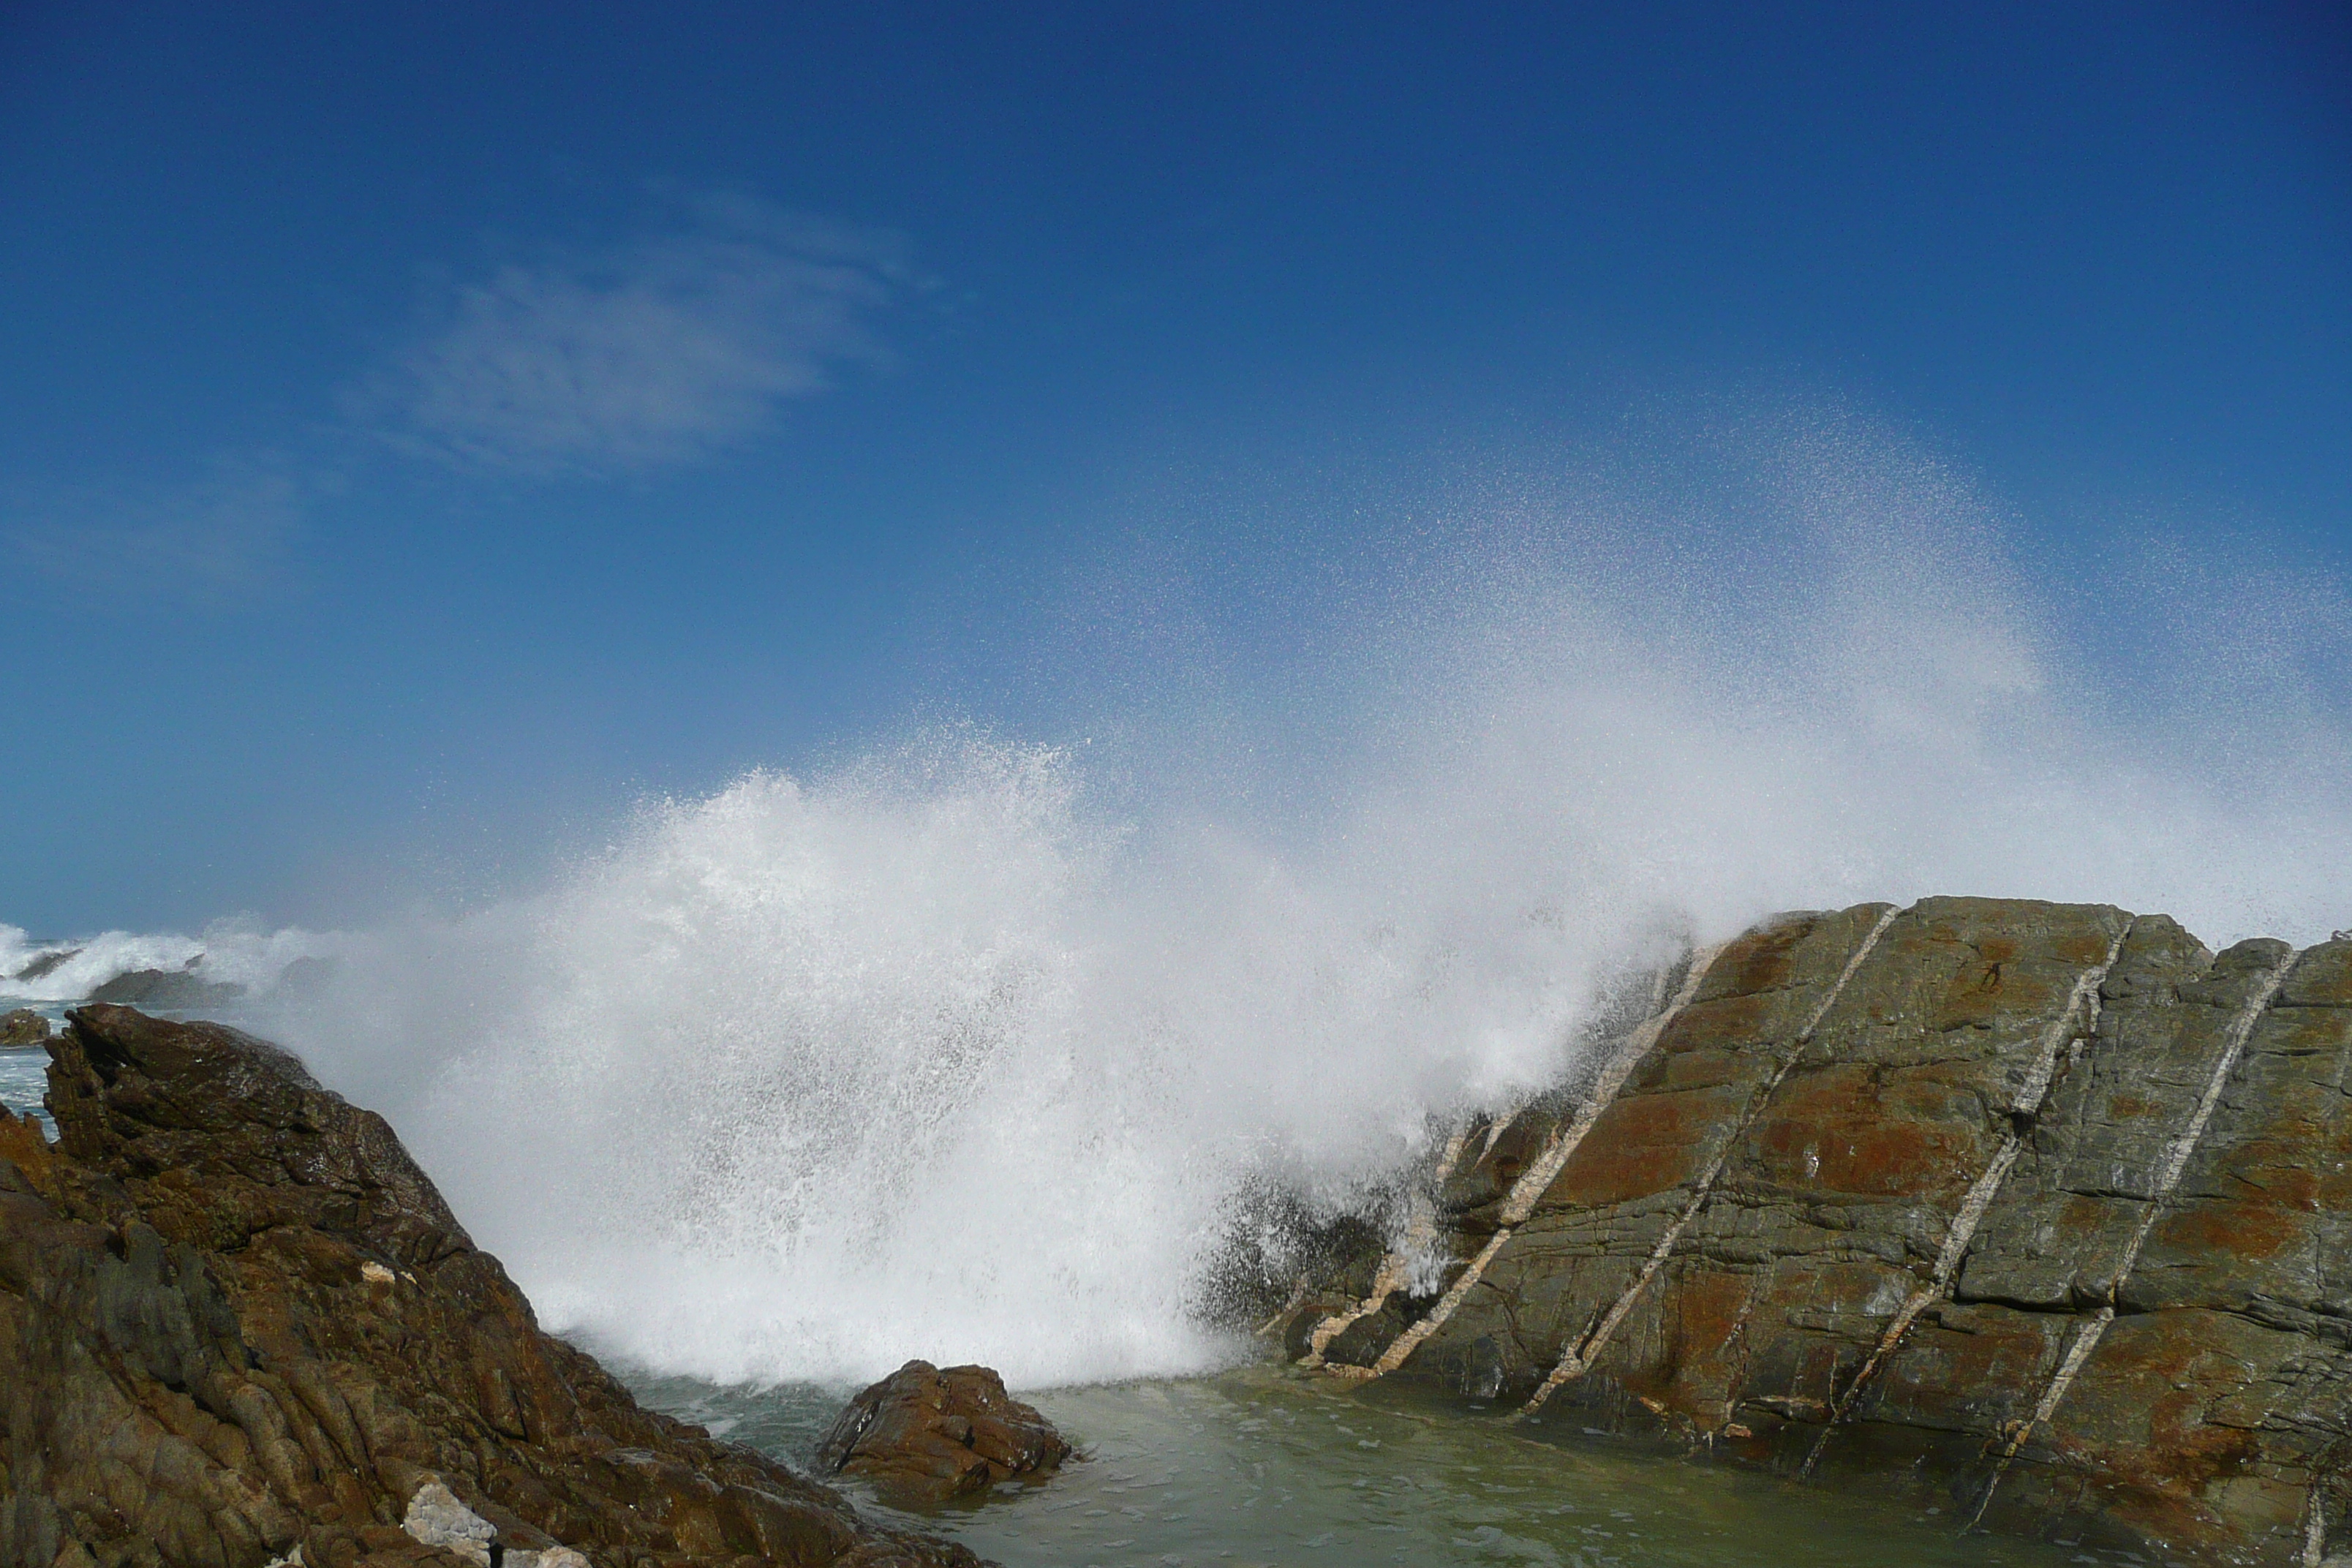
(44, 964)
(239, 1327)
(2038, 1212)
(22, 1029)
(924, 1437)
(167, 990)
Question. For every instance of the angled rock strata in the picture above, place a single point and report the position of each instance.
(2038, 1211)
(239, 1327)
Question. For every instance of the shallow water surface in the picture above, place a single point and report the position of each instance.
(24, 1078)
(1262, 1467)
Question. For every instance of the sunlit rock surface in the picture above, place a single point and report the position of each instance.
(2041, 1208)
(238, 1326)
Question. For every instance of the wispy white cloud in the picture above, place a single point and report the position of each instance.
(223, 540)
(658, 352)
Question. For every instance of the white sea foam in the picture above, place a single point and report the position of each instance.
(234, 952)
(962, 1050)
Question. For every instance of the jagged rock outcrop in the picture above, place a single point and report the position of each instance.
(2041, 1212)
(44, 964)
(21, 1029)
(923, 1437)
(237, 1321)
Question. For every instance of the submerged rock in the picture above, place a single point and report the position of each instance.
(238, 1326)
(924, 1437)
(22, 1029)
(305, 979)
(2041, 1213)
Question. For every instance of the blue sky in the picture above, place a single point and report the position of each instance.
(424, 431)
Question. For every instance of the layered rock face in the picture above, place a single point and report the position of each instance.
(238, 1326)
(2039, 1209)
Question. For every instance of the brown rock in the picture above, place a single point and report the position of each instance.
(236, 1319)
(2038, 1213)
(924, 1437)
(22, 1029)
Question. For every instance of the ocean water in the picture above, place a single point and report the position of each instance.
(1258, 1467)
(22, 1081)
(24, 1073)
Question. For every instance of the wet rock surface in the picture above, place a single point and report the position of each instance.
(46, 963)
(22, 1029)
(236, 1320)
(924, 1437)
(2041, 1214)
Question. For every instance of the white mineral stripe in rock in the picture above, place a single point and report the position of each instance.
(1420, 1228)
(1580, 1355)
(2055, 1041)
(2176, 1161)
(1396, 1267)
(1538, 1178)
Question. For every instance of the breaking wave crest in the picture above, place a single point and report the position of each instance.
(972, 1047)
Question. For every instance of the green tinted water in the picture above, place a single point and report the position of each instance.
(1262, 1467)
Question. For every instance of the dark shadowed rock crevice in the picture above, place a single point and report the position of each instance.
(236, 1320)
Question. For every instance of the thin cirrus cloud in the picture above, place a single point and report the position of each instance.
(656, 352)
(220, 540)
(663, 352)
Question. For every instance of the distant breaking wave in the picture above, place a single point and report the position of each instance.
(973, 1047)
(63, 970)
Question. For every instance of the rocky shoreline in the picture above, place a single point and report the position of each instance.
(239, 1327)
(2032, 1217)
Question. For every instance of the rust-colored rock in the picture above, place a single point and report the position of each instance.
(2041, 1213)
(923, 1437)
(237, 1319)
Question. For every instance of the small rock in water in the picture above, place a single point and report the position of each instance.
(48, 963)
(924, 1437)
(22, 1029)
